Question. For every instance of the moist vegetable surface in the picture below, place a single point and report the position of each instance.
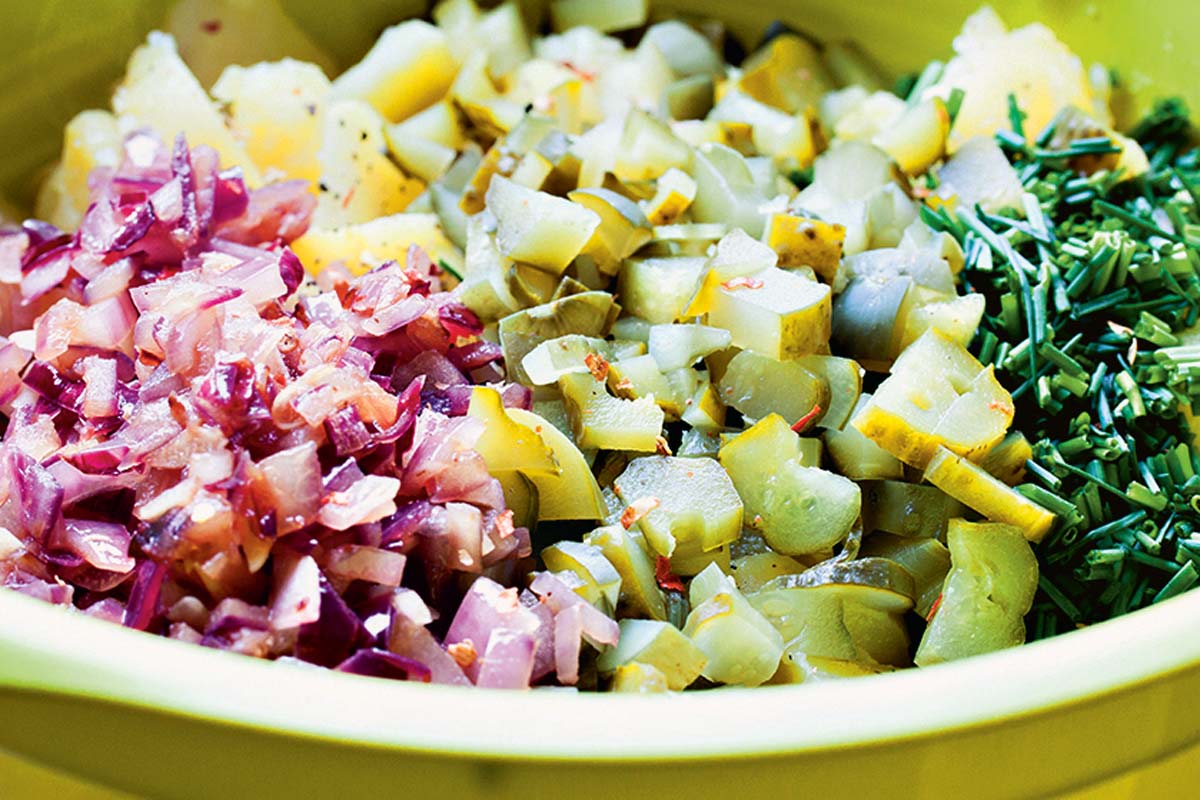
(605, 357)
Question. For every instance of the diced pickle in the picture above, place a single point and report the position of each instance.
(907, 509)
(639, 679)
(970, 484)
(854, 613)
(704, 410)
(804, 242)
(798, 509)
(505, 444)
(538, 228)
(587, 313)
(601, 583)
(604, 422)
(957, 317)
(658, 644)
(736, 256)
(658, 289)
(986, 595)
(866, 318)
(844, 377)
(623, 227)
(1006, 461)
(918, 138)
(757, 386)
(571, 494)
(563, 355)
(937, 394)
(679, 346)
(691, 501)
(927, 560)
(639, 594)
(725, 189)
(674, 192)
(856, 456)
(740, 645)
(640, 377)
(774, 312)
(797, 667)
(752, 571)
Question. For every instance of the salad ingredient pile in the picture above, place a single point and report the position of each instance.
(511, 361)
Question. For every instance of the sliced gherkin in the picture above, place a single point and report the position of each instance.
(603, 422)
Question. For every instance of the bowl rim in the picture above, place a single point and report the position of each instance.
(50, 650)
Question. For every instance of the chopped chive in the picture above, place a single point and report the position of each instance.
(1180, 582)
(445, 267)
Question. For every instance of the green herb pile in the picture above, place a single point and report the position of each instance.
(1093, 300)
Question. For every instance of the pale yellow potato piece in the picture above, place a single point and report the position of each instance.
(276, 109)
(365, 246)
(358, 181)
(411, 66)
(160, 92)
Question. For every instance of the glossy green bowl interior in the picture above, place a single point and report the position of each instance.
(162, 719)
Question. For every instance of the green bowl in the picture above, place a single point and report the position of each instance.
(156, 718)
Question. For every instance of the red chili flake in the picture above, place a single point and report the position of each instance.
(1001, 406)
(586, 76)
(597, 365)
(667, 579)
(661, 446)
(624, 385)
(742, 282)
(463, 653)
(211, 26)
(933, 609)
(349, 196)
(804, 421)
(638, 509)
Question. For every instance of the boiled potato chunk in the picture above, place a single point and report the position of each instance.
(161, 93)
(775, 313)
(571, 494)
(799, 510)
(640, 594)
(358, 181)
(805, 242)
(697, 504)
(648, 149)
(603, 422)
(601, 583)
(659, 644)
(92, 139)
(538, 228)
(990, 588)
(937, 395)
(968, 483)
(758, 386)
(410, 67)
(740, 645)
(276, 109)
(364, 246)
